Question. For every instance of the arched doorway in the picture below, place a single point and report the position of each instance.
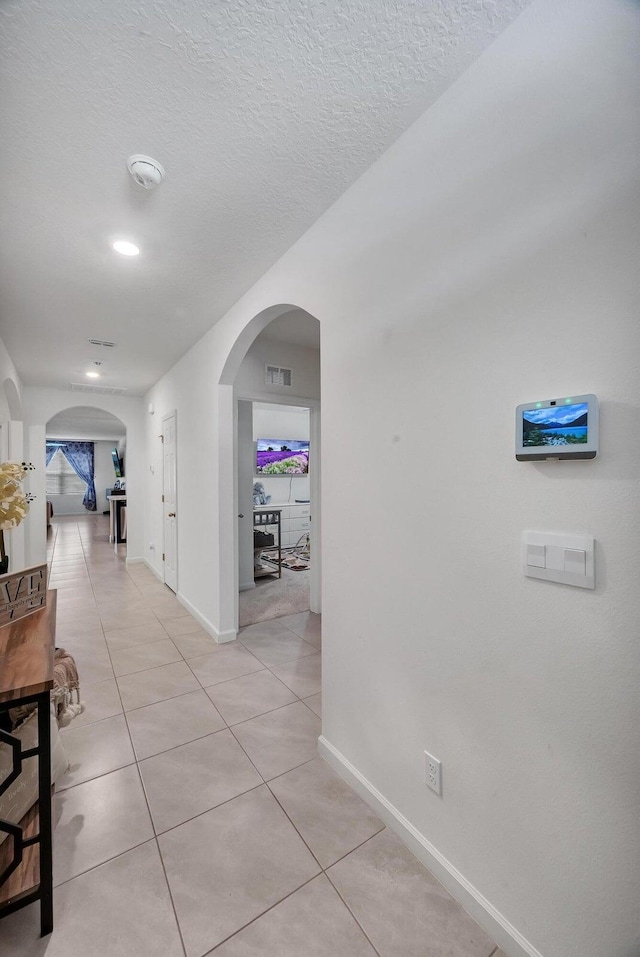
(243, 379)
(106, 435)
(44, 405)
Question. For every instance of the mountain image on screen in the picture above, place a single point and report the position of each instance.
(558, 425)
(282, 457)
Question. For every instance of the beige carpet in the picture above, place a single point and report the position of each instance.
(274, 598)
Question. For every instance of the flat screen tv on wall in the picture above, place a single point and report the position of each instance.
(282, 457)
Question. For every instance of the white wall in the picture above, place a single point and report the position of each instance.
(303, 362)
(488, 258)
(12, 446)
(11, 391)
(189, 390)
(280, 422)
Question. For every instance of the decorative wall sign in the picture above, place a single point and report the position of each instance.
(22, 593)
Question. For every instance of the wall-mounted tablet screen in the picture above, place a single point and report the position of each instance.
(564, 428)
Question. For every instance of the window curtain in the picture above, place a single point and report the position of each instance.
(80, 457)
(50, 452)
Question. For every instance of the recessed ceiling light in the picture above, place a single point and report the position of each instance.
(92, 375)
(125, 248)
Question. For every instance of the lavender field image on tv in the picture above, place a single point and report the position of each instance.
(282, 457)
(558, 425)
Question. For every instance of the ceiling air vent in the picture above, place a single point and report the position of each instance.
(276, 375)
(96, 389)
(102, 342)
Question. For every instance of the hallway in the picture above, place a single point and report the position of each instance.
(196, 817)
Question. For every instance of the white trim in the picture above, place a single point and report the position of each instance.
(145, 561)
(274, 398)
(247, 586)
(490, 919)
(170, 415)
(315, 436)
(220, 636)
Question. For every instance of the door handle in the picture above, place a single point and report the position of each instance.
(240, 515)
(171, 515)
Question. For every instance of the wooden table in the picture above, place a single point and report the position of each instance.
(26, 675)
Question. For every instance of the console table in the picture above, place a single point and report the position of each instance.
(26, 676)
(117, 520)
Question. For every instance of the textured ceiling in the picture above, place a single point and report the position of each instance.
(262, 111)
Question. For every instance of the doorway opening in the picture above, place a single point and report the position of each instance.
(270, 384)
(86, 468)
(275, 462)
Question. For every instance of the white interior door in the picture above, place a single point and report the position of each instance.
(170, 498)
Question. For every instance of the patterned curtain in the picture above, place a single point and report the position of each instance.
(51, 451)
(80, 457)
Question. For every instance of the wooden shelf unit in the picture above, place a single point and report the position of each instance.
(26, 676)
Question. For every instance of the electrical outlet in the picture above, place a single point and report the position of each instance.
(432, 773)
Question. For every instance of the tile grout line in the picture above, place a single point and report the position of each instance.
(127, 674)
(103, 774)
(375, 949)
(109, 860)
(279, 707)
(146, 801)
(157, 843)
(195, 817)
(148, 806)
(262, 783)
(227, 727)
(258, 916)
(174, 747)
(110, 661)
(322, 868)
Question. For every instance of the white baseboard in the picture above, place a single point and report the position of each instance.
(144, 561)
(247, 586)
(223, 636)
(220, 636)
(490, 919)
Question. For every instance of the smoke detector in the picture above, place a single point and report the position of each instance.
(147, 172)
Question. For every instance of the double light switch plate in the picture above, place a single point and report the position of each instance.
(568, 559)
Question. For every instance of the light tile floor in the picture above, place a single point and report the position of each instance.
(196, 817)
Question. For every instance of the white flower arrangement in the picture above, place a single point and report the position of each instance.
(14, 502)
